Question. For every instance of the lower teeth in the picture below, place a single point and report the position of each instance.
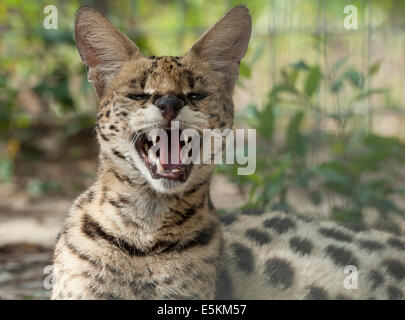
(160, 168)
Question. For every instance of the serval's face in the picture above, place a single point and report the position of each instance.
(138, 94)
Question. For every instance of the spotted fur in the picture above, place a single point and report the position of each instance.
(131, 236)
(306, 260)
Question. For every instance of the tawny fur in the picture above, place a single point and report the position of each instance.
(130, 236)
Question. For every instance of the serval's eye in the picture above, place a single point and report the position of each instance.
(138, 97)
(196, 96)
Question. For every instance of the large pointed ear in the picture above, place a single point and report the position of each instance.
(225, 43)
(102, 47)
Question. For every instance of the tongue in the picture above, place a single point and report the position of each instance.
(170, 154)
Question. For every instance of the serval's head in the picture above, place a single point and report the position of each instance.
(138, 93)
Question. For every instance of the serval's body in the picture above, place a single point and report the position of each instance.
(147, 231)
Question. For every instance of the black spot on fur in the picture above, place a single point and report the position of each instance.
(201, 238)
(335, 234)
(243, 257)
(190, 78)
(93, 230)
(81, 255)
(115, 204)
(222, 124)
(370, 245)
(301, 245)
(278, 272)
(394, 293)
(113, 296)
(104, 137)
(316, 293)
(107, 114)
(186, 214)
(395, 268)
(304, 218)
(396, 243)
(341, 256)
(223, 286)
(228, 219)
(356, 227)
(279, 224)
(196, 188)
(126, 179)
(258, 236)
(376, 279)
(123, 199)
(118, 154)
(253, 211)
(151, 286)
(90, 196)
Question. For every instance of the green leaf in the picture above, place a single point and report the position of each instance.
(244, 70)
(312, 82)
(266, 122)
(354, 77)
(368, 93)
(339, 63)
(300, 65)
(281, 88)
(295, 141)
(335, 175)
(336, 86)
(374, 68)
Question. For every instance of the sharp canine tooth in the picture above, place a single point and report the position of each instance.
(154, 137)
(152, 157)
(159, 166)
(186, 137)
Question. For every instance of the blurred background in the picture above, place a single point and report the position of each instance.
(328, 105)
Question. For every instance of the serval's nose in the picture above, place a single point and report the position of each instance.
(169, 106)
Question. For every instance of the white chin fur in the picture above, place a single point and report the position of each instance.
(162, 185)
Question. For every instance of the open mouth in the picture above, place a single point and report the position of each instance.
(166, 162)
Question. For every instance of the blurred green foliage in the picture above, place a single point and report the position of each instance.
(358, 166)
